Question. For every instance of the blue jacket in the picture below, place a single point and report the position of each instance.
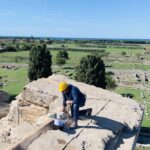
(75, 95)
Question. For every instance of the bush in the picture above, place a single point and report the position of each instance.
(2, 44)
(110, 82)
(18, 58)
(123, 53)
(60, 61)
(130, 95)
(61, 57)
(63, 54)
(24, 47)
(91, 70)
(10, 48)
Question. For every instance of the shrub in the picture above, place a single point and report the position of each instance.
(110, 82)
(91, 70)
(10, 48)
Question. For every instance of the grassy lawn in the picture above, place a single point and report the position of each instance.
(15, 57)
(127, 50)
(145, 148)
(135, 92)
(15, 80)
(130, 66)
(10, 57)
(74, 57)
(71, 45)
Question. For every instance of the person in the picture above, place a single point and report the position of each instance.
(75, 98)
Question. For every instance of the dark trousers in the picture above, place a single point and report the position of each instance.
(75, 108)
(75, 112)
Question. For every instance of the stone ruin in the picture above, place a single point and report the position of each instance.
(10, 67)
(115, 122)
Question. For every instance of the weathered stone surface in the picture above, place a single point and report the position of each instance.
(40, 93)
(3, 145)
(13, 115)
(31, 113)
(11, 135)
(20, 131)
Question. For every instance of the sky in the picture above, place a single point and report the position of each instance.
(76, 18)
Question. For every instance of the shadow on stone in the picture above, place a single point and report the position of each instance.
(144, 136)
(12, 97)
(108, 124)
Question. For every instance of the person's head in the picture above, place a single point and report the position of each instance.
(63, 87)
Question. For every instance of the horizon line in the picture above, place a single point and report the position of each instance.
(61, 37)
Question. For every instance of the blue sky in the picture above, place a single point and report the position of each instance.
(76, 18)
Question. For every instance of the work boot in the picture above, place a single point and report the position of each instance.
(73, 125)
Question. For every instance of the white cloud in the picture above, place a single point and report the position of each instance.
(7, 14)
(48, 17)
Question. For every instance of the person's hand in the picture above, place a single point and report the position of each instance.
(63, 109)
(68, 102)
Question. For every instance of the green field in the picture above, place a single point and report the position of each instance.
(144, 148)
(14, 80)
(129, 66)
(15, 57)
(129, 52)
(10, 57)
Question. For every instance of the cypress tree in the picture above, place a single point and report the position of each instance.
(91, 70)
(39, 62)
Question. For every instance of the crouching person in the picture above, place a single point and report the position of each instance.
(75, 98)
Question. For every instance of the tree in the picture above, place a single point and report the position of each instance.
(39, 62)
(91, 70)
(61, 57)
